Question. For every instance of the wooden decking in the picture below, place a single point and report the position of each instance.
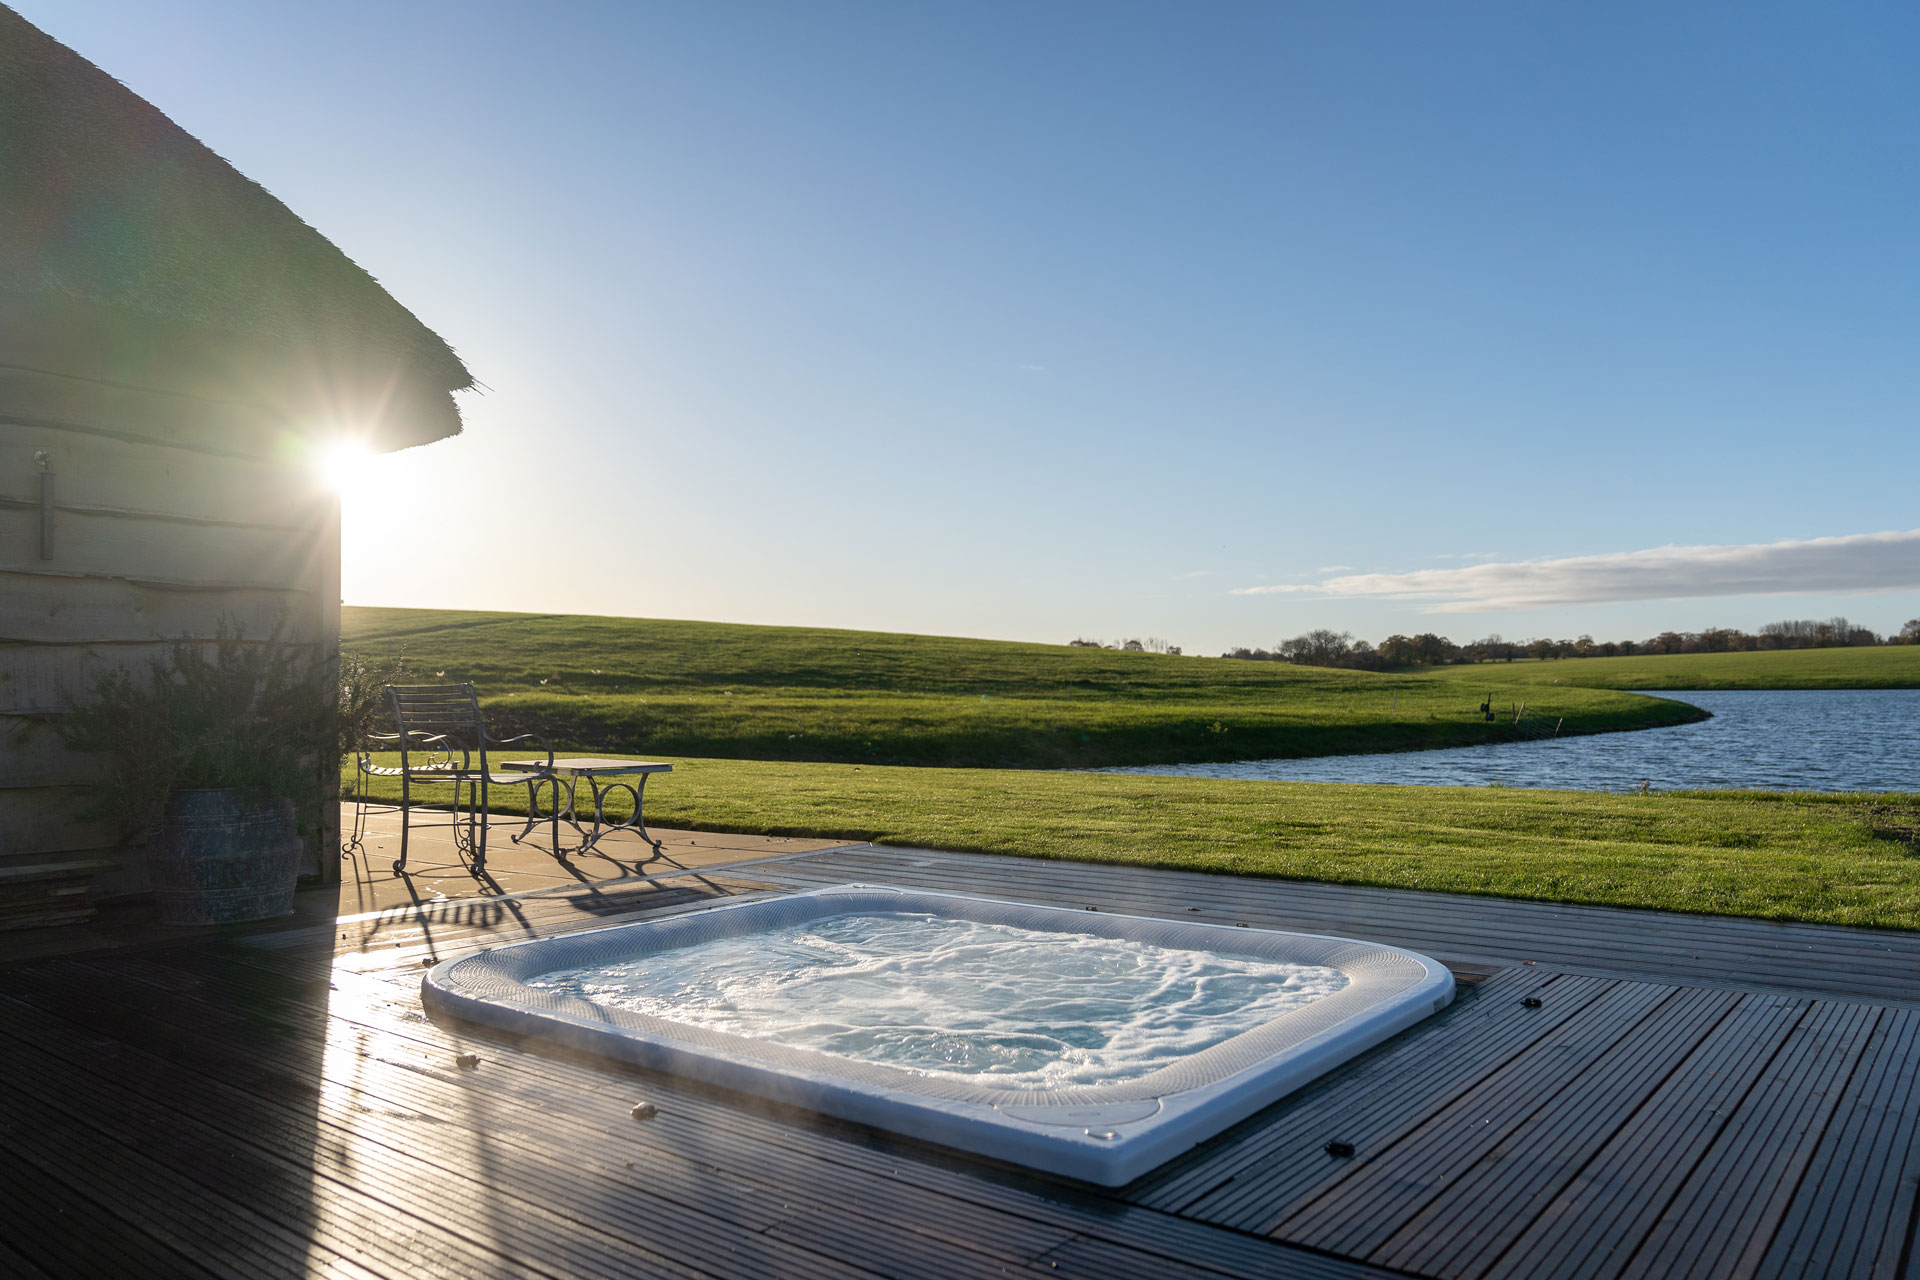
(1689, 1097)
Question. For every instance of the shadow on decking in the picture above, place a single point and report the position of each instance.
(273, 1100)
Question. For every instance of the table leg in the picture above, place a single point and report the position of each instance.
(533, 810)
(571, 817)
(639, 818)
(599, 810)
(635, 823)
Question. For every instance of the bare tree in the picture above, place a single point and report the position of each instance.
(1321, 648)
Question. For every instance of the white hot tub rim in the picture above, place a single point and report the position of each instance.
(1383, 983)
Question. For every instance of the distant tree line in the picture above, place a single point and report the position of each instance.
(1152, 644)
(1339, 649)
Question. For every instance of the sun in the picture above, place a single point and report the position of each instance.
(343, 464)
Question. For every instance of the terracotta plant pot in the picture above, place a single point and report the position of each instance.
(219, 861)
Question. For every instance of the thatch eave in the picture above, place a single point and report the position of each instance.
(131, 253)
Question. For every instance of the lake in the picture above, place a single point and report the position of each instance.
(1789, 740)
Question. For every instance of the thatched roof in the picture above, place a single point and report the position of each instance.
(135, 243)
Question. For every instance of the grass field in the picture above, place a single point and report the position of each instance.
(1888, 667)
(1791, 857)
(790, 731)
(788, 693)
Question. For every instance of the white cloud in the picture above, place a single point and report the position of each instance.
(1336, 568)
(1855, 564)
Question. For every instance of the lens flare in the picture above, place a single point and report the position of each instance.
(343, 464)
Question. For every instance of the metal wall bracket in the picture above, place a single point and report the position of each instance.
(43, 463)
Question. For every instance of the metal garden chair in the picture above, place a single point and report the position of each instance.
(442, 738)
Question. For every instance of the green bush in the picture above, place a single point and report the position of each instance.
(231, 713)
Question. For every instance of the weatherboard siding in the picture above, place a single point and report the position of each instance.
(61, 609)
(41, 824)
(30, 759)
(167, 517)
(170, 482)
(159, 552)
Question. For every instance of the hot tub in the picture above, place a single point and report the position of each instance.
(1086, 1044)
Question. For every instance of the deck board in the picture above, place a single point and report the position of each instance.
(1849, 1183)
(1089, 1258)
(1255, 1173)
(1536, 1153)
(1592, 1220)
(1727, 1212)
(279, 1104)
(45, 1210)
(513, 1087)
(1387, 1191)
(246, 1199)
(157, 1198)
(15, 1267)
(399, 1164)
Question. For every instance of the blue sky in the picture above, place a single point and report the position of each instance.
(1035, 320)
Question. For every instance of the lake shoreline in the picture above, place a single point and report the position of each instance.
(1813, 740)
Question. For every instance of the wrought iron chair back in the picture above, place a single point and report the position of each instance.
(441, 718)
(441, 737)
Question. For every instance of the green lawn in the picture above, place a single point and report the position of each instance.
(790, 693)
(1792, 857)
(1888, 667)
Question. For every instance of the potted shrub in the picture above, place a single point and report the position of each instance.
(214, 754)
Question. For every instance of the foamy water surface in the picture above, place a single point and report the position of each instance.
(989, 1003)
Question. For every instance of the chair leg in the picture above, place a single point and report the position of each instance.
(480, 849)
(464, 841)
(351, 845)
(406, 818)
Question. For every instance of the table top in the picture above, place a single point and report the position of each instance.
(586, 766)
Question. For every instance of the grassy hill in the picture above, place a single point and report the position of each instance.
(791, 693)
(1890, 667)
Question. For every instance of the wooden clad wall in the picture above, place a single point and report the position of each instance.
(167, 514)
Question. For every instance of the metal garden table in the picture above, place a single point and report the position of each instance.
(593, 769)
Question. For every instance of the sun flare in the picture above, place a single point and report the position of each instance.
(343, 464)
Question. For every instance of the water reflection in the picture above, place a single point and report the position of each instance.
(1795, 740)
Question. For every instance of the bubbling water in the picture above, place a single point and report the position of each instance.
(987, 1003)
